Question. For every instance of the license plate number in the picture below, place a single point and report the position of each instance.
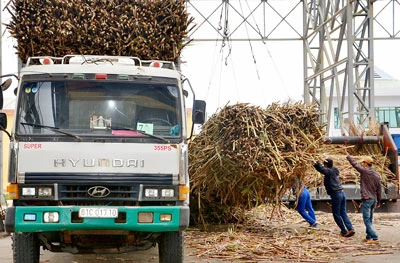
(97, 212)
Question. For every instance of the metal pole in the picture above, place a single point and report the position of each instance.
(354, 140)
(1, 73)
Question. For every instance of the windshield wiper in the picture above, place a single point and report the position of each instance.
(142, 132)
(54, 129)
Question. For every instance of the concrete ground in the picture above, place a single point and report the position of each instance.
(387, 225)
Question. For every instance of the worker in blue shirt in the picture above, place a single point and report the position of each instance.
(304, 205)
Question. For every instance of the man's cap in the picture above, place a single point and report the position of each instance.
(328, 162)
(368, 160)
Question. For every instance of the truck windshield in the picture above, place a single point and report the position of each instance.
(99, 107)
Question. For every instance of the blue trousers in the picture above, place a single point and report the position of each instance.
(339, 211)
(304, 206)
(368, 207)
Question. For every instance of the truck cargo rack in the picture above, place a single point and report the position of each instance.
(99, 59)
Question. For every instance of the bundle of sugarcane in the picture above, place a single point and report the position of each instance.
(153, 29)
(348, 175)
(359, 151)
(245, 155)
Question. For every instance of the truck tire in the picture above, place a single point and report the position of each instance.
(170, 247)
(2, 228)
(26, 248)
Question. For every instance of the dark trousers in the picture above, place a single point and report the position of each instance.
(339, 211)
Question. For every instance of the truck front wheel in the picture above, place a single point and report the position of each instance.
(26, 248)
(170, 247)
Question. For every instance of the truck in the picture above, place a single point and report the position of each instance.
(99, 156)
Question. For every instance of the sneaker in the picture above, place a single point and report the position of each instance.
(315, 224)
(373, 241)
(365, 239)
(349, 233)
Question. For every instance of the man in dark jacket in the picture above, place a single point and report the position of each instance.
(371, 190)
(335, 191)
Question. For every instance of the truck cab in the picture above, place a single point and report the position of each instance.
(99, 157)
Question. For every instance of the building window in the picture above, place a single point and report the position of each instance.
(391, 115)
(336, 118)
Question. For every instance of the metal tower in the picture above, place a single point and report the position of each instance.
(338, 43)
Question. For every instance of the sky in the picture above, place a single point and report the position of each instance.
(253, 72)
(259, 77)
(256, 72)
(275, 75)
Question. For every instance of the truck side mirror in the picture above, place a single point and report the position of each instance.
(199, 112)
(1, 99)
(3, 121)
(4, 86)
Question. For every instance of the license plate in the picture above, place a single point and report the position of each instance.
(98, 212)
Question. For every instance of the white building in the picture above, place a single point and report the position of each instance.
(387, 104)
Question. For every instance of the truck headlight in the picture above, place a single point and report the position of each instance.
(28, 191)
(165, 218)
(51, 217)
(145, 217)
(167, 193)
(29, 217)
(45, 191)
(151, 192)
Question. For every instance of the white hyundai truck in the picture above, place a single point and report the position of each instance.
(99, 157)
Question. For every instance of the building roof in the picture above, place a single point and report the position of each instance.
(385, 85)
(381, 75)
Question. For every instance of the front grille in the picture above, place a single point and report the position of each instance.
(75, 188)
(80, 192)
(123, 179)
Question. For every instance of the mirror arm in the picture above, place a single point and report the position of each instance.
(9, 75)
(4, 130)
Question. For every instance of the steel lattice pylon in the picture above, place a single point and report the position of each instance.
(339, 58)
(338, 43)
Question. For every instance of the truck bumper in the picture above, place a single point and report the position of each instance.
(31, 219)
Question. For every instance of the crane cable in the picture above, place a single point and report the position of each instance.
(267, 50)
(223, 25)
(226, 30)
(248, 37)
(213, 69)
